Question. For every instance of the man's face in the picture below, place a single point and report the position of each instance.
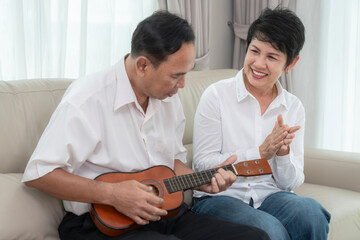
(263, 64)
(169, 76)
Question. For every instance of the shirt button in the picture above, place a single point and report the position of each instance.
(248, 184)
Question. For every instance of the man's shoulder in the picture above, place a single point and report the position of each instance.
(93, 86)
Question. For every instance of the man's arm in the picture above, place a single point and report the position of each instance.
(131, 198)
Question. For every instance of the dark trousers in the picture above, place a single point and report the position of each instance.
(186, 225)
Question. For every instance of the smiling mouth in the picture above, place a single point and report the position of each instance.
(258, 74)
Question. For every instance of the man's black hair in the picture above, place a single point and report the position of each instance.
(282, 29)
(159, 36)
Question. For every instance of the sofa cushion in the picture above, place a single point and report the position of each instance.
(27, 213)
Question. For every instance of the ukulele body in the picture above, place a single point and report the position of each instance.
(112, 223)
(167, 186)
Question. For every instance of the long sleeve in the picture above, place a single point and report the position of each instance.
(288, 170)
(210, 124)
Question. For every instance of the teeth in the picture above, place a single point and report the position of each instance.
(258, 74)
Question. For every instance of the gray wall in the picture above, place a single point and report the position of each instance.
(221, 36)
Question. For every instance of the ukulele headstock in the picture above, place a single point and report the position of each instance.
(253, 168)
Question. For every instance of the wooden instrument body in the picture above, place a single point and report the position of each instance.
(113, 223)
(167, 186)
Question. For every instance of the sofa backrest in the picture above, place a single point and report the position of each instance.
(196, 83)
(26, 107)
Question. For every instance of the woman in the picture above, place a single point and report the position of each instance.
(253, 117)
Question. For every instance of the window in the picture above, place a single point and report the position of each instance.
(328, 76)
(51, 39)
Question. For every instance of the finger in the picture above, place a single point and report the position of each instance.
(280, 120)
(228, 177)
(154, 200)
(294, 129)
(283, 128)
(280, 137)
(149, 217)
(221, 183)
(152, 213)
(276, 126)
(287, 142)
(290, 136)
(279, 145)
(228, 161)
(143, 217)
(214, 185)
(284, 148)
(140, 221)
(145, 187)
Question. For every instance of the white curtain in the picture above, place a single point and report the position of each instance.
(66, 38)
(197, 13)
(327, 77)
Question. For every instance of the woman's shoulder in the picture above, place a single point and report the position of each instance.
(292, 101)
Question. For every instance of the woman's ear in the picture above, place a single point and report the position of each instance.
(292, 64)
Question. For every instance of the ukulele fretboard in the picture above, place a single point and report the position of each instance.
(184, 182)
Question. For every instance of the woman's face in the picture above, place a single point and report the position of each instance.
(263, 65)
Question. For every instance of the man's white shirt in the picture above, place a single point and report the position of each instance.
(99, 127)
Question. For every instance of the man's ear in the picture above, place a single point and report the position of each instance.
(142, 64)
(292, 64)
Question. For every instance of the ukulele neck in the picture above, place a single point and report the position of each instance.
(184, 182)
(245, 168)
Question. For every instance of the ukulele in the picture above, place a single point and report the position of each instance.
(167, 185)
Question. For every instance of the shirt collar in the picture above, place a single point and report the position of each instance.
(242, 92)
(124, 91)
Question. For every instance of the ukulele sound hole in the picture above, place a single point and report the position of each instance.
(154, 190)
(157, 189)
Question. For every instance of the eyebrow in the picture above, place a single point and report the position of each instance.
(179, 74)
(271, 53)
(183, 73)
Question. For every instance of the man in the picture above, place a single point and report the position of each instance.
(128, 118)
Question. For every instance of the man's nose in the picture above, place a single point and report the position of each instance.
(181, 82)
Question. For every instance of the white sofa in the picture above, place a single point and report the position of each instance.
(26, 105)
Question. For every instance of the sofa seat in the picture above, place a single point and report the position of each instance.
(331, 177)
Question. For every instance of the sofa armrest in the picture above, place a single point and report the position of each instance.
(332, 168)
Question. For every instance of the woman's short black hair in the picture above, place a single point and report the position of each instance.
(159, 36)
(282, 29)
